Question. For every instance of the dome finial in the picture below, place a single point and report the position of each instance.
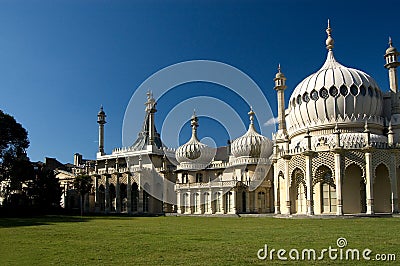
(194, 124)
(279, 67)
(251, 114)
(149, 94)
(329, 40)
(390, 42)
(366, 127)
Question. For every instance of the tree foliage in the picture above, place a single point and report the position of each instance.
(44, 190)
(23, 186)
(83, 184)
(13, 144)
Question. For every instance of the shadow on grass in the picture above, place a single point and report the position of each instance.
(40, 220)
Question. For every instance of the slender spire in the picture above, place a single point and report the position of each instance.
(390, 42)
(194, 124)
(149, 95)
(150, 103)
(329, 40)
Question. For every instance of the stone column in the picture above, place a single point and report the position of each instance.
(247, 201)
(96, 189)
(118, 194)
(210, 208)
(178, 202)
(96, 194)
(370, 183)
(140, 188)
(288, 184)
(128, 193)
(338, 181)
(310, 200)
(107, 194)
(233, 201)
(65, 197)
(188, 203)
(393, 170)
(222, 196)
(200, 206)
(276, 190)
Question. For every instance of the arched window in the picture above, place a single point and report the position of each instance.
(228, 201)
(196, 202)
(146, 198)
(217, 201)
(261, 201)
(135, 197)
(206, 202)
(185, 178)
(328, 194)
(199, 177)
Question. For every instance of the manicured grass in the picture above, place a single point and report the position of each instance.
(184, 240)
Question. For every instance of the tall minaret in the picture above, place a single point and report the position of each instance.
(101, 120)
(392, 64)
(280, 86)
(151, 109)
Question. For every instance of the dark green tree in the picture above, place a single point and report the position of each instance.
(44, 190)
(83, 184)
(15, 167)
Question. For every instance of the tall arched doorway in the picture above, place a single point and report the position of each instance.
(325, 198)
(298, 193)
(113, 195)
(101, 198)
(382, 190)
(135, 197)
(353, 190)
(123, 195)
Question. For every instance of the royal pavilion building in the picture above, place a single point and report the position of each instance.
(336, 152)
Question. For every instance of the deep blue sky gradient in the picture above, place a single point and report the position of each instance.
(60, 60)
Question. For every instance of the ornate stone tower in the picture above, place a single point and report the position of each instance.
(101, 120)
(280, 86)
(392, 64)
(150, 110)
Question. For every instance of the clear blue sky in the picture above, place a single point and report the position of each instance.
(60, 60)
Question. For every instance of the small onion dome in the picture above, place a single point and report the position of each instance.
(252, 144)
(391, 49)
(280, 75)
(194, 151)
(101, 116)
(101, 112)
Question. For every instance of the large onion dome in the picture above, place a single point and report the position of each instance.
(193, 151)
(333, 93)
(252, 144)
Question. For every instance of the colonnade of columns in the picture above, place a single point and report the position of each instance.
(338, 177)
(218, 201)
(133, 205)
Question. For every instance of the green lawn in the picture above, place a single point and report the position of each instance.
(184, 240)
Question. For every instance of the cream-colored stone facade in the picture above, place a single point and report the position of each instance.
(336, 152)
